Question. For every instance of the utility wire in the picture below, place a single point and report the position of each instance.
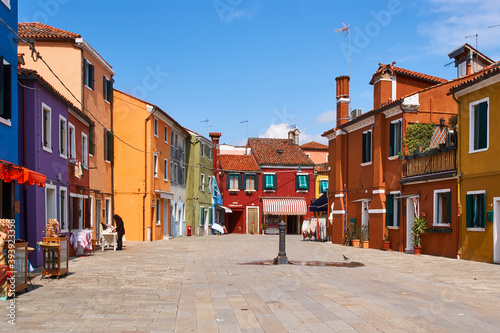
(35, 55)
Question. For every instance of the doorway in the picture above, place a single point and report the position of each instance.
(252, 220)
(496, 230)
(411, 212)
(365, 206)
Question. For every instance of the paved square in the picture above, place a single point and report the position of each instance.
(198, 284)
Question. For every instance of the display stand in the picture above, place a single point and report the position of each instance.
(55, 256)
(21, 266)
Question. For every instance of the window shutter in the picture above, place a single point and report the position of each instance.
(483, 125)
(447, 204)
(398, 213)
(482, 209)
(399, 138)
(112, 146)
(389, 209)
(85, 72)
(105, 144)
(275, 180)
(110, 91)
(468, 209)
(244, 181)
(297, 182)
(308, 180)
(104, 87)
(202, 216)
(7, 89)
(2, 85)
(391, 140)
(240, 183)
(256, 182)
(369, 146)
(210, 219)
(91, 140)
(228, 179)
(91, 76)
(364, 148)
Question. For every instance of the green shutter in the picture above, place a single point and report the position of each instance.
(210, 219)
(104, 87)
(364, 148)
(391, 140)
(256, 182)
(398, 142)
(240, 182)
(110, 91)
(308, 181)
(91, 76)
(228, 179)
(483, 125)
(369, 146)
(297, 182)
(202, 216)
(448, 207)
(91, 139)
(398, 217)
(482, 209)
(85, 72)
(275, 181)
(389, 210)
(468, 209)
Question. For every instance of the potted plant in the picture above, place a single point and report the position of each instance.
(263, 227)
(417, 229)
(354, 235)
(364, 237)
(386, 242)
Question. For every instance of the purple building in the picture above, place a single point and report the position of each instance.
(45, 148)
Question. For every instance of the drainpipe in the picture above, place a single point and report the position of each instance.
(148, 107)
(459, 167)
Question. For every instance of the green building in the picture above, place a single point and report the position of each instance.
(199, 187)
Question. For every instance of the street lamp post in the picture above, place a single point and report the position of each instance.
(282, 259)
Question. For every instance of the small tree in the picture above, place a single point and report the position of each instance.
(417, 229)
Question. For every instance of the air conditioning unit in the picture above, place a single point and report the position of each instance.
(355, 114)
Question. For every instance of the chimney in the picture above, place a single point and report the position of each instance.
(382, 85)
(342, 99)
(215, 136)
(294, 136)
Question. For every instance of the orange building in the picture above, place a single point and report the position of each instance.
(369, 184)
(142, 167)
(89, 79)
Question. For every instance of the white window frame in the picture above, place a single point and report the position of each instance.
(247, 178)
(371, 149)
(63, 209)
(158, 212)
(86, 78)
(210, 153)
(400, 138)
(63, 144)
(105, 89)
(85, 151)
(471, 126)
(47, 108)
(209, 184)
(71, 142)
(156, 127)
(166, 134)
(327, 156)
(435, 215)
(165, 169)
(202, 182)
(171, 170)
(202, 149)
(231, 183)
(472, 193)
(155, 166)
(264, 188)
(50, 187)
(6, 3)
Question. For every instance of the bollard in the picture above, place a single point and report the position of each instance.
(282, 259)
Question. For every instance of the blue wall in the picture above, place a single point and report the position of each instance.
(8, 50)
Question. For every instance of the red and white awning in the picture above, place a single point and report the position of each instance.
(284, 206)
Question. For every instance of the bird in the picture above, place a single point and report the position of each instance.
(345, 258)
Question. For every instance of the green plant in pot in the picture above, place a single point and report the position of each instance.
(417, 229)
(354, 232)
(364, 236)
(263, 227)
(386, 242)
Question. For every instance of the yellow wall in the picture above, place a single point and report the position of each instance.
(479, 171)
(319, 177)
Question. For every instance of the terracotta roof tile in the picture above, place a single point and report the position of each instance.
(487, 72)
(322, 168)
(314, 145)
(278, 152)
(238, 163)
(39, 30)
(407, 72)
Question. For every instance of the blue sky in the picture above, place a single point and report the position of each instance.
(271, 62)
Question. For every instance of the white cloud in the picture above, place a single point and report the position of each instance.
(452, 20)
(277, 131)
(280, 131)
(326, 117)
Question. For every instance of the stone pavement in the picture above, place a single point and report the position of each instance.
(198, 284)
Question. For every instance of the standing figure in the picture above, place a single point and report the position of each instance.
(120, 230)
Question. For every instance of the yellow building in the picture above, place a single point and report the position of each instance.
(478, 165)
(142, 175)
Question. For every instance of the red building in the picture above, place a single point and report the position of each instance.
(272, 181)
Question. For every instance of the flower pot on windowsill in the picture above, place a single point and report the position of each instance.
(355, 242)
(365, 244)
(386, 245)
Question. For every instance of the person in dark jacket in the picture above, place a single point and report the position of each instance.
(120, 230)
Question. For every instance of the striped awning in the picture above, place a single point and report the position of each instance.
(284, 206)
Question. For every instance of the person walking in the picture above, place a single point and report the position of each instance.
(120, 230)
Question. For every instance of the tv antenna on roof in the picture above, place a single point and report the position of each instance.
(208, 123)
(472, 36)
(346, 31)
(245, 121)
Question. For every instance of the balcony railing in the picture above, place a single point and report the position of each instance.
(435, 161)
